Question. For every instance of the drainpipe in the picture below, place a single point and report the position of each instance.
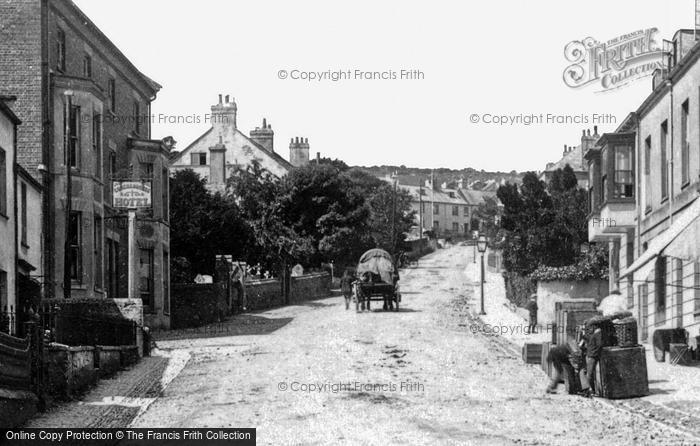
(670, 162)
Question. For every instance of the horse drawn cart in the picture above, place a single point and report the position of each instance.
(376, 279)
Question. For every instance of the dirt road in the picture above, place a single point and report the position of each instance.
(327, 376)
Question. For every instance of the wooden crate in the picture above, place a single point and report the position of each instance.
(563, 322)
(679, 354)
(532, 353)
(622, 373)
(572, 319)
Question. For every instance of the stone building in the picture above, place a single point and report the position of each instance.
(644, 198)
(224, 147)
(574, 157)
(86, 110)
(20, 226)
(8, 220)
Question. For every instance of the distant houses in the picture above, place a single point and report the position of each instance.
(446, 210)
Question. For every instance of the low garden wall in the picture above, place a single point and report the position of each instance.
(551, 292)
(98, 321)
(309, 287)
(73, 370)
(264, 293)
(16, 407)
(194, 305)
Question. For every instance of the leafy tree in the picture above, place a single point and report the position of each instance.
(273, 242)
(545, 224)
(320, 203)
(202, 225)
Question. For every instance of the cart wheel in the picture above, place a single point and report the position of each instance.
(659, 354)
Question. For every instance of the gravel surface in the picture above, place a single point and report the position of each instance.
(318, 374)
(324, 375)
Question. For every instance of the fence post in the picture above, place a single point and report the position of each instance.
(36, 349)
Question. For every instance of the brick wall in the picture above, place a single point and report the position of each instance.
(20, 74)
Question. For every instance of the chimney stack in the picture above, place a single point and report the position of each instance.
(223, 116)
(264, 136)
(217, 164)
(299, 152)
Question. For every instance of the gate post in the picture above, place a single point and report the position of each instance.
(36, 352)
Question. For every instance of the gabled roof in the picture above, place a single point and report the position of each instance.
(434, 195)
(574, 158)
(478, 197)
(274, 155)
(186, 149)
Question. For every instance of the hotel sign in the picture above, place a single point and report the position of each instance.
(131, 194)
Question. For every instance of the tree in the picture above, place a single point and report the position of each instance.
(390, 209)
(545, 224)
(202, 225)
(273, 242)
(320, 203)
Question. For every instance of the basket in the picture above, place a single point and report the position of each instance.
(626, 332)
(606, 326)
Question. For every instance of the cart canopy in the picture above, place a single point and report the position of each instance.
(377, 261)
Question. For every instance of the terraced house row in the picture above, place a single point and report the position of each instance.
(644, 185)
(83, 108)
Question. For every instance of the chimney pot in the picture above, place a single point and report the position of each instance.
(227, 99)
(584, 132)
(264, 123)
(595, 129)
(589, 132)
(220, 99)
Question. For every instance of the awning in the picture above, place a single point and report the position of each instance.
(680, 240)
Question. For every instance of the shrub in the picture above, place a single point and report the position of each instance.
(518, 288)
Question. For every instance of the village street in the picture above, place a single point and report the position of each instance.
(443, 382)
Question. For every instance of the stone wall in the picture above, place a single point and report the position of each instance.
(16, 407)
(95, 310)
(310, 287)
(549, 293)
(194, 305)
(262, 294)
(71, 370)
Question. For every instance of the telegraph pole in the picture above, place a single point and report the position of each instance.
(67, 258)
(393, 218)
(420, 211)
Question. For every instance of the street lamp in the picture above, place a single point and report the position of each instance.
(475, 236)
(481, 244)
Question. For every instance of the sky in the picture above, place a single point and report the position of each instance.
(496, 58)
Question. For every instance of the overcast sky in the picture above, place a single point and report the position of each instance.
(497, 57)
